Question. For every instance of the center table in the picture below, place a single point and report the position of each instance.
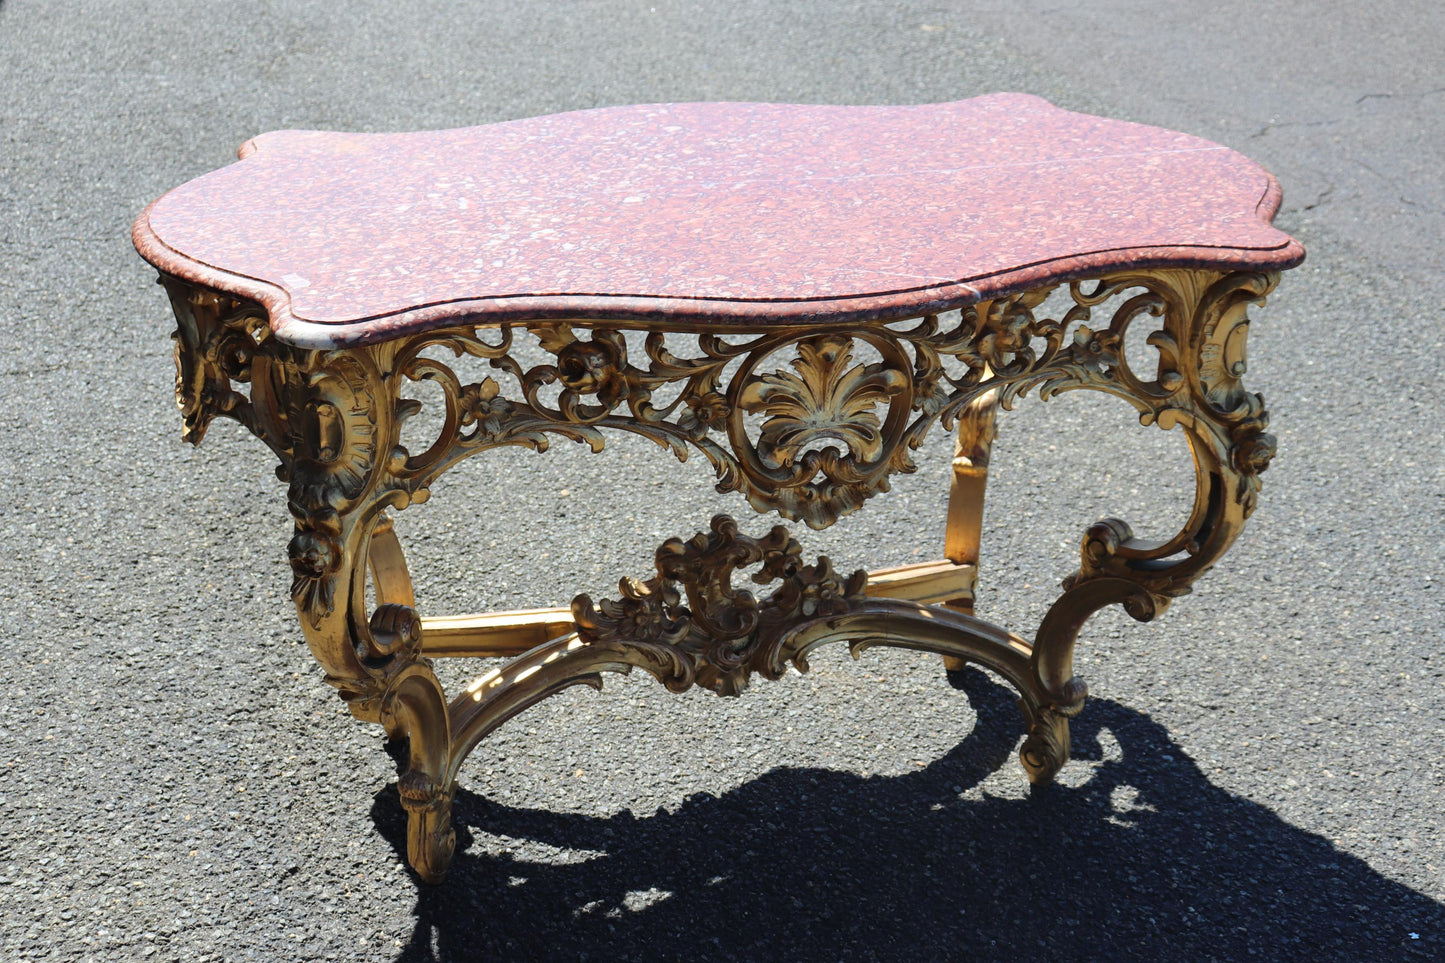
(796, 293)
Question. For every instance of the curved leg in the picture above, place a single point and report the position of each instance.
(343, 418)
(1197, 388)
(334, 420)
(391, 683)
(415, 709)
(1062, 694)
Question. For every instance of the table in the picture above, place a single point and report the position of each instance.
(796, 293)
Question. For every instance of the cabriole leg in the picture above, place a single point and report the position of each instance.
(334, 421)
(340, 415)
(1196, 388)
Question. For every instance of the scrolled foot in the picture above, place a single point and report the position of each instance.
(430, 838)
(1046, 749)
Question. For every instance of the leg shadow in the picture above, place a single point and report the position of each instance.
(1146, 860)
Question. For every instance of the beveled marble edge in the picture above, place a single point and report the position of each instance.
(683, 313)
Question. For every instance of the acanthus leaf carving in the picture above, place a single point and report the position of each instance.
(216, 339)
(824, 399)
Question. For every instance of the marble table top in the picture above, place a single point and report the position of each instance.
(704, 214)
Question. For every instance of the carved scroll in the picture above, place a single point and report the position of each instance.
(807, 421)
(723, 634)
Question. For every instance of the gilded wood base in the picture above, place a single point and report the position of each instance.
(808, 421)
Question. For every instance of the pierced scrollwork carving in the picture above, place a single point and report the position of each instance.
(790, 420)
(789, 467)
(723, 634)
(804, 420)
(788, 417)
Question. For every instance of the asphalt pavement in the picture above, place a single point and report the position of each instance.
(1258, 775)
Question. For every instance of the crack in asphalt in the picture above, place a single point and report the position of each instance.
(1275, 125)
(1364, 97)
(1424, 207)
(1323, 196)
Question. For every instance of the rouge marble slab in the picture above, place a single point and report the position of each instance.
(713, 213)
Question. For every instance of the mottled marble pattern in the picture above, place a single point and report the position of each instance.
(704, 213)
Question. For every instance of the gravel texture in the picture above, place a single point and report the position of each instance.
(1259, 774)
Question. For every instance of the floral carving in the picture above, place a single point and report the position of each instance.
(1006, 340)
(1253, 448)
(596, 367)
(710, 410)
(1095, 350)
(479, 405)
(723, 634)
(314, 560)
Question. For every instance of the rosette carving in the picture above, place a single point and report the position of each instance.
(597, 367)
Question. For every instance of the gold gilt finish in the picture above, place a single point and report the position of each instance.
(807, 421)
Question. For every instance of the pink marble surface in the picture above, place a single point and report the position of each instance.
(721, 213)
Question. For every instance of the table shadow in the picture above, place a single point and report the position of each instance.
(1146, 859)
